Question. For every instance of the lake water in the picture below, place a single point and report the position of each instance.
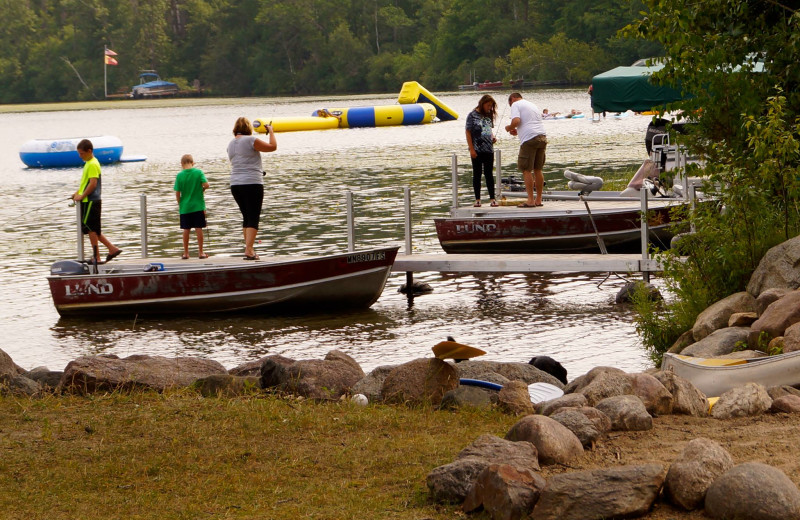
(571, 317)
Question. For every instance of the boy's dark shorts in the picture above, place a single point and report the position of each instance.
(90, 216)
(194, 220)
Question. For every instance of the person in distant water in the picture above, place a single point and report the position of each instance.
(526, 121)
(88, 195)
(546, 114)
(480, 140)
(247, 184)
(190, 187)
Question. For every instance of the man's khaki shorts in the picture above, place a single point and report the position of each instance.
(532, 154)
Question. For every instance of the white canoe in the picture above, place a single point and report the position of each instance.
(715, 376)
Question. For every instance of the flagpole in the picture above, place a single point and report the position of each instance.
(105, 71)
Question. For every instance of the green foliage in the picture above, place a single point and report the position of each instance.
(559, 59)
(734, 58)
(52, 50)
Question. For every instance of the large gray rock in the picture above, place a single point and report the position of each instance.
(779, 268)
(226, 385)
(655, 396)
(683, 341)
(493, 449)
(106, 373)
(779, 391)
(791, 339)
(326, 379)
(253, 368)
(768, 297)
(505, 492)
(421, 381)
(371, 384)
(743, 401)
(686, 398)
(555, 443)
(719, 342)
(620, 492)
(19, 385)
(579, 424)
(48, 379)
(466, 396)
(450, 483)
(786, 404)
(566, 401)
(779, 316)
(717, 315)
(742, 319)
(600, 420)
(514, 398)
(688, 478)
(753, 491)
(7, 365)
(627, 413)
(273, 370)
(601, 382)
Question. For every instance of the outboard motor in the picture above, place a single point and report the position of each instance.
(583, 183)
(68, 267)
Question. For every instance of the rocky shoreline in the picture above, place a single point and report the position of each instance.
(504, 475)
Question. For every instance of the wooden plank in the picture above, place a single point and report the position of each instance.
(522, 263)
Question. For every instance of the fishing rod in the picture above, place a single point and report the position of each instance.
(502, 115)
(3, 223)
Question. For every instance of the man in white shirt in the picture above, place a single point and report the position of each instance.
(526, 121)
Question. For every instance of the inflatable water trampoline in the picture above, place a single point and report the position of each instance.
(63, 153)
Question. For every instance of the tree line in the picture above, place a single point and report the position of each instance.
(52, 50)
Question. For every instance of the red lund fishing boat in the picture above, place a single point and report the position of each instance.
(560, 226)
(221, 284)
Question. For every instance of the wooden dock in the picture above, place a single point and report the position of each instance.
(524, 263)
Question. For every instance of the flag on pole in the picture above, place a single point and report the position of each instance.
(111, 61)
(109, 52)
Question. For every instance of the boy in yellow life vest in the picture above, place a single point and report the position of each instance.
(88, 195)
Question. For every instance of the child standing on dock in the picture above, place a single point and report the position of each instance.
(190, 186)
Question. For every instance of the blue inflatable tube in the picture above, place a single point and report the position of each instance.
(385, 115)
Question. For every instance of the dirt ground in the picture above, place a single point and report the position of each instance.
(773, 439)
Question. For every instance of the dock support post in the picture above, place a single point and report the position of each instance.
(407, 210)
(645, 234)
(454, 171)
(143, 216)
(351, 231)
(80, 231)
(498, 167)
(692, 204)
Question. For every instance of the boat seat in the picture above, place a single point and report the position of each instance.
(712, 362)
(585, 184)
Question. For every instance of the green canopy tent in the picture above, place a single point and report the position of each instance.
(630, 88)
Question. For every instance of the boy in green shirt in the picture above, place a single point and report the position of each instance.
(190, 184)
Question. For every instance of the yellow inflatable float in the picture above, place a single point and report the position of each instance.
(413, 92)
(416, 106)
(295, 124)
(355, 117)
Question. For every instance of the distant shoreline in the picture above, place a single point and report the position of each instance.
(108, 104)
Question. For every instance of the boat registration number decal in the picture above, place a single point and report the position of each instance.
(366, 257)
(89, 288)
